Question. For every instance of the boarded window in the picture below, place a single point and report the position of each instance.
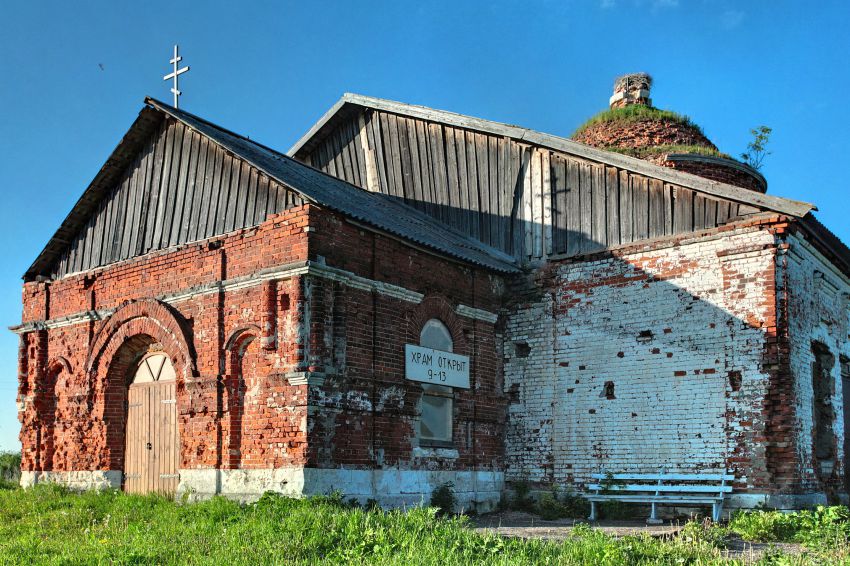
(435, 424)
(823, 386)
(845, 388)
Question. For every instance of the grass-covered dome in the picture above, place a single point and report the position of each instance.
(633, 126)
(641, 130)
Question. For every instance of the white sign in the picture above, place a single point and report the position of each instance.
(435, 366)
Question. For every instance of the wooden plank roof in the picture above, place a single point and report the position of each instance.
(145, 124)
(379, 212)
(354, 102)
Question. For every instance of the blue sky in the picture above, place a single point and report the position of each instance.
(74, 75)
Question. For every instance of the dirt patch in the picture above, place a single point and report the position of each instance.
(751, 552)
(526, 525)
(517, 524)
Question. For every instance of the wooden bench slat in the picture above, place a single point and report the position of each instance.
(668, 477)
(664, 488)
(651, 499)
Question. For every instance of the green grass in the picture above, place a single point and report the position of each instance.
(642, 152)
(10, 466)
(49, 525)
(822, 527)
(636, 113)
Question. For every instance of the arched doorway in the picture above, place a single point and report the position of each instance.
(152, 453)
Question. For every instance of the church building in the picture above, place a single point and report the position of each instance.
(410, 297)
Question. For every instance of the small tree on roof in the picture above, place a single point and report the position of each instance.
(757, 148)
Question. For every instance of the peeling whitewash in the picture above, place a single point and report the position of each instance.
(818, 311)
(668, 328)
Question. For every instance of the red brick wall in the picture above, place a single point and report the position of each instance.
(715, 172)
(641, 133)
(648, 134)
(368, 422)
(73, 400)
(235, 349)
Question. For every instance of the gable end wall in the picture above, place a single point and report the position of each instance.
(313, 313)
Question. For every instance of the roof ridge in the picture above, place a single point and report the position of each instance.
(160, 105)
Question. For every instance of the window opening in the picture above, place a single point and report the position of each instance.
(845, 389)
(824, 416)
(435, 423)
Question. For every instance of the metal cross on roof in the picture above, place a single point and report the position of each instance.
(174, 74)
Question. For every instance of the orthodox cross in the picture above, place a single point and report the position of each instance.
(174, 74)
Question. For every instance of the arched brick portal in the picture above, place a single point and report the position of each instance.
(118, 344)
(153, 318)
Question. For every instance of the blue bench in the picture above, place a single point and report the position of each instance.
(661, 489)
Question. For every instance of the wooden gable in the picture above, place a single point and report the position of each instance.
(522, 198)
(178, 187)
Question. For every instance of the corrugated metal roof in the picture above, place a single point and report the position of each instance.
(835, 249)
(383, 212)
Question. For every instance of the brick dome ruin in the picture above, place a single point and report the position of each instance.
(633, 126)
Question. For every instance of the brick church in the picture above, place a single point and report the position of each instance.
(410, 297)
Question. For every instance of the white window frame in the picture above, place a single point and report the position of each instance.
(443, 393)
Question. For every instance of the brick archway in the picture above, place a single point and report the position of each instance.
(117, 345)
(147, 317)
(59, 364)
(438, 307)
(236, 343)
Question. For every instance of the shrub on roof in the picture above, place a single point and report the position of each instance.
(636, 113)
(642, 152)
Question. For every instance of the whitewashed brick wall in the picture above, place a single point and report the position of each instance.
(818, 299)
(668, 327)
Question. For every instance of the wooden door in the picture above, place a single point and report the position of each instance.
(152, 446)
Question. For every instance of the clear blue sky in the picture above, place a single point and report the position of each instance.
(74, 75)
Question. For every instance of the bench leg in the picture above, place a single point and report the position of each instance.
(652, 514)
(592, 511)
(716, 511)
(653, 517)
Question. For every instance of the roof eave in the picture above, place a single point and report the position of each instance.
(144, 124)
(829, 244)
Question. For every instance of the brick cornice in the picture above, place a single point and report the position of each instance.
(280, 272)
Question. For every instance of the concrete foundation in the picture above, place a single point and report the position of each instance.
(81, 479)
(479, 491)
